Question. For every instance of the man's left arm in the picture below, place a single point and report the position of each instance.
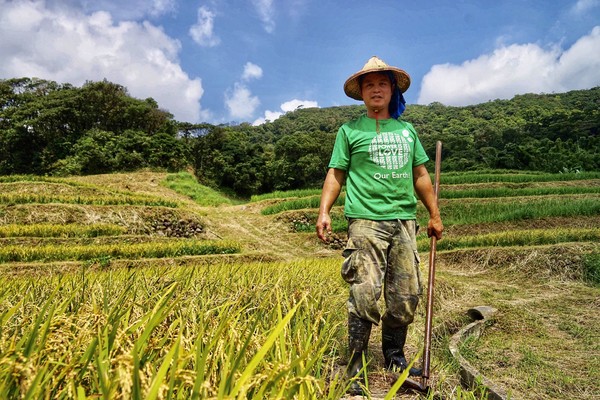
(424, 190)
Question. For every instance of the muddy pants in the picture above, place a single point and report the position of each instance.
(382, 255)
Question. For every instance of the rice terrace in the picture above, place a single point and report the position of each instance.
(148, 285)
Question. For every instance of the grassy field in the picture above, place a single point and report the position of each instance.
(149, 286)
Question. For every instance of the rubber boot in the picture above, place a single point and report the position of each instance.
(392, 344)
(359, 331)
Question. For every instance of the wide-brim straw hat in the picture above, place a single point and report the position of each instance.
(375, 64)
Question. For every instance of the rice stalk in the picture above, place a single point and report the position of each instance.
(533, 237)
(60, 230)
(172, 248)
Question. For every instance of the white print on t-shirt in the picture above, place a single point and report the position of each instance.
(394, 175)
(391, 150)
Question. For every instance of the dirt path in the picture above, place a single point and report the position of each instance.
(264, 234)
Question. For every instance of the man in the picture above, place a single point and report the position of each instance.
(381, 160)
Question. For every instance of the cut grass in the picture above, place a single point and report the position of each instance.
(542, 342)
(555, 322)
(26, 189)
(136, 219)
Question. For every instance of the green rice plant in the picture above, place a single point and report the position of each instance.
(299, 204)
(532, 237)
(161, 249)
(473, 212)
(592, 268)
(285, 194)
(55, 230)
(186, 184)
(338, 224)
(517, 192)
(463, 177)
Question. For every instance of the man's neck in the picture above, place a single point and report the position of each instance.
(380, 114)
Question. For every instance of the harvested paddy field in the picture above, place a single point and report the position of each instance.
(119, 286)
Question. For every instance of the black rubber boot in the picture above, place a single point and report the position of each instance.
(359, 331)
(392, 344)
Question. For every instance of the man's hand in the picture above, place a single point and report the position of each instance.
(331, 190)
(435, 227)
(323, 227)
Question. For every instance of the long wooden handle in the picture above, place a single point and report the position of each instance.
(430, 286)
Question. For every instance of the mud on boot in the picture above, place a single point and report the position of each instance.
(359, 331)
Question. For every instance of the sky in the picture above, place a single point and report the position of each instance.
(250, 61)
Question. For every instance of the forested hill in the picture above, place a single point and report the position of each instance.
(552, 133)
(49, 128)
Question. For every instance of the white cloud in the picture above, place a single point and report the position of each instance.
(515, 69)
(202, 31)
(240, 102)
(583, 6)
(252, 71)
(68, 46)
(266, 13)
(291, 105)
(160, 7)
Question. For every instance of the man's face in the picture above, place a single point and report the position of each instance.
(376, 90)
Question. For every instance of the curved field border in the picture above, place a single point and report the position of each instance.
(470, 376)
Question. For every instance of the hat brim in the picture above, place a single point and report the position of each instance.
(352, 86)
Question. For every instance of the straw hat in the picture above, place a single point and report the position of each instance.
(375, 64)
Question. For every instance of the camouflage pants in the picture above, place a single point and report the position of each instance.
(382, 255)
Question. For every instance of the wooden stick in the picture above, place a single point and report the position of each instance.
(430, 286)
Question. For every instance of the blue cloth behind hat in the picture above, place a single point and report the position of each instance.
(397, 102)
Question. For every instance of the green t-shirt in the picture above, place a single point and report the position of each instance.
(379, 176)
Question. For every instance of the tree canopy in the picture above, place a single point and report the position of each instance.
(47, 128)
(59, 129)
(547, 132)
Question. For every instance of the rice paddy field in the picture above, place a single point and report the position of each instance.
(150, 286)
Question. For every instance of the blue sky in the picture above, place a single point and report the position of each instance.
(222, 61)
